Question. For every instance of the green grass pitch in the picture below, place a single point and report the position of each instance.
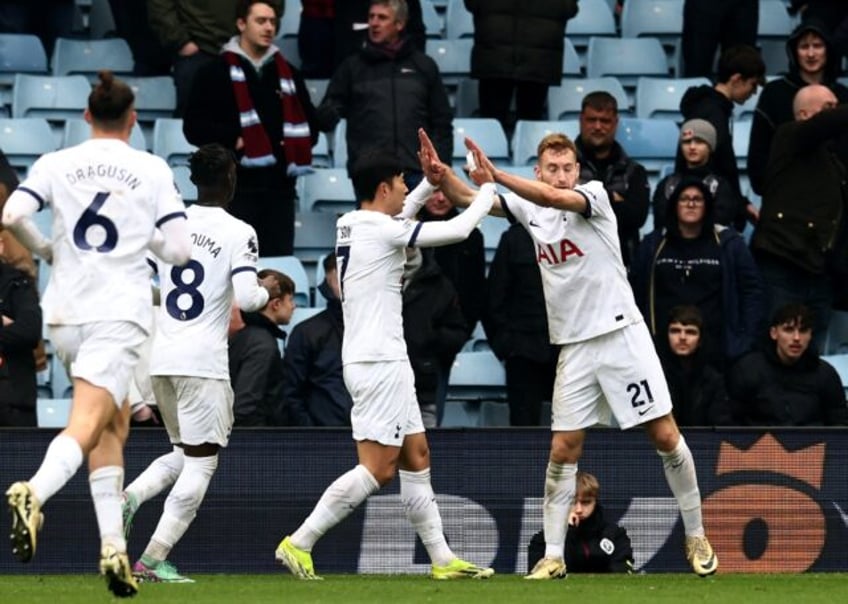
(352, 589)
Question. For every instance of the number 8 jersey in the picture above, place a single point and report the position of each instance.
(107, 200)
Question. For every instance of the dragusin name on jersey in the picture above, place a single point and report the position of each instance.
(104, 171)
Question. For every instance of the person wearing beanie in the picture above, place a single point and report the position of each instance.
(697, 141)
(812, 60)
(694, 261)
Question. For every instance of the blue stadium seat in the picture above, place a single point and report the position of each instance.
(459, 22)
(572, 63)
(314, 237)
(87, 57)
(60, 381)
(774, 55)
(461, 414)
(182, 178)
(101, 22)
(564, 100)
(78, 130)
(290, 21)
(453, 58)
(19, 53)
(494, 414)
(433, 23)
(477, 376)
(54, 98)
(741, 136)
(662, 19)
(525, 139)
(338, 145)
(24, 140)
(170, 143)
(651, 142)
(492, 228)
(593, 19)
(328, 190)
(840, 363)
(479, 341)
(660, 97)
(837, 333)
(317, 89)
(774, 21)
(626, 58)
(291, 266)
(289, 49)
(486, 132)
(321, 157)
(155, 96)
(52, 412)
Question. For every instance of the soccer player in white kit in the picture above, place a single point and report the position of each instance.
(607, 364)
(111, 203)
(386, 418)
(189, 361)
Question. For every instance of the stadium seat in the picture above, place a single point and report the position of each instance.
(328, 190)
(321, 157)
(289, 49)
(87, 57)
(593, 19)
(774, 21)
(290, 21)
(478, 342)
(741, 136)
(78, 130)
(182, 178)
(24, 140)
(461, 414)
(626, 58)
(453, 58)
(525, 139)
(338, 144)
(54, 98)
(837, 333)
(170, 143)
(840, 363)
(492, 228)
(494, 414)
(564, 101)
(19, 53)
(155, 96)
(459, 22)
(291, 266)
(314, 237)
(101, 22)
(52, 412)
(572, 64)
(660, 97)
(477, 376)
(433, 23)
(60, 381)
(317, 89)
(661, 19)
(774, 56)
(486, 132)
(651, 142)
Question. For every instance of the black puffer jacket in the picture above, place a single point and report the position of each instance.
(774, 106)
(519, 39)
(385, 100)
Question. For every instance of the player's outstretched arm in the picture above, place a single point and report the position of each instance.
(172, 240)
(445, 232)
(536, 191)
(17, 217)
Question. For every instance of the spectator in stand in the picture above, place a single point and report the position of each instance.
(256, 369)
(602, 158)
(433, 328)
(132, 23)
(516, 326)
(694, 261)
(194, 33)
(697, 141)
(710, 24)
(812, 60)
(787, 384)
(740, 71)
(593, 544)
(314, 393)
(253, 102)
(698, 394)
(20, 335)
(518, 47)
(315, 38)
(47, 19)
(359, 92)
(800, 242)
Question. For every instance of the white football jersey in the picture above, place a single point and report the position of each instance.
(107, 201)
(195, 299)
(586, 289)
(370, 252)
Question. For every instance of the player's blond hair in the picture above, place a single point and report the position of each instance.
(556, 141)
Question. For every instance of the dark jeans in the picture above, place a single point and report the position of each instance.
(269, 209)
(528, 385)
(496, 97)
(708, 24)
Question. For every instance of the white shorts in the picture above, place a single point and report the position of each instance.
(385, 406)
(616, 374)
(195, 410)
(104, 353)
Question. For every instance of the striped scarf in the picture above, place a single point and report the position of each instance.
(297, 141)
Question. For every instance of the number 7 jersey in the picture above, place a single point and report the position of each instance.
(107, 200)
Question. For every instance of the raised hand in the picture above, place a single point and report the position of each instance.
(432, 167)
(484, 169)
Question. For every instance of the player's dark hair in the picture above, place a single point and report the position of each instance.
(210, 166)
(600, 100)
(795, 314)
(742, 59)
(284, 282)
(686, 314)
(370, 169)
(243, 7)
(329, 262)
(110, 101)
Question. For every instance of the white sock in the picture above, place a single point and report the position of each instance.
(340, 499)
(560, 485)
(680, 473)
(61, 461)
(419, 503)
(157, 477)
(106, 484)
(181, 505)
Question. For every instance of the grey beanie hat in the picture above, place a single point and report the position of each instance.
(700, 129)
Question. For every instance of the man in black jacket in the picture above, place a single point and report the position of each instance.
(387, 91)
(787, 384)
(19, 335)
(314, 393)
(255, 363)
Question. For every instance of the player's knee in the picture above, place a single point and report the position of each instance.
(384, 474)
(566, 448)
